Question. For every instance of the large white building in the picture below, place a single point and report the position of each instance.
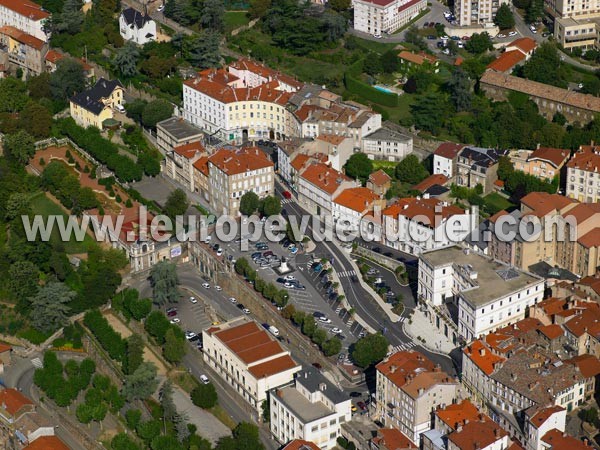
(477, 12)
(312, 409)
(136, 26)
(445, 158)
(414, 225)
(377, 17)
(248, 359)
(25, 15)
(241, 102)
(583, 175)
(352, 204)
(233, 172)
(489, 294)
(387, 144)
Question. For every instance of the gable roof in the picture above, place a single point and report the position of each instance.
(233, 162)
(379, 178)
(91, 99)
(525, 44)
(22, 37)
(431, 180)
(12, 401)
(477, 434)
(555, 156)
(541, 416)
(448, 150)
(506, 61)
(586, 158)
(552, 331)
(482, 357)
(299, 444)
(47, 443)
(359, 199)
(557, 440)
(458, 413)
(392, 439)
(542, 203)
(324, 177)
(415, 208)
(190, 150)
(26, 8)
(134, 17)
(417, 58)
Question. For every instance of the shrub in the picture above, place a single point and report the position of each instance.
(110, 340)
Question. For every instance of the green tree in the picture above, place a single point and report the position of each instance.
(17, 204)
(429, 111)
(174, 348)
(126, 58)
(67, 79)
(460, 89)
(332, 346)
(133, 418)
(249, 203)
(370, 350)
(36, 119)
(504, 17)
(123, 442)
(390, 62)
(247, 437)
(534, 11)
(544, 66)
(258, 8)
(156, 111)
(166, 401)
(359, 166)
(479, 43)
(149, 430)
(49, 310)
(71, 18)
(265, 407)
(203, 51)
(319, 336)
(410, 170)
(84, 413)
(164, 281)
(135, 353)
(204, 396)
(23, 282)
(142, 383)
(213, 14)
(270, 206)
(19, 146)
(177, 204)
(13, 95)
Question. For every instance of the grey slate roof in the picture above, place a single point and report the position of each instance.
(314, 381)
(134, 17)
(91, 99)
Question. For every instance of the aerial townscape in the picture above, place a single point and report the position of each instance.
(299, 225)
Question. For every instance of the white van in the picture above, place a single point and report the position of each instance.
(274, 331)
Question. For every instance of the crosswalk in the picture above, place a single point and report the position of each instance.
(347, 273)
(404, 346)
(402, 319)
(286, 201)
(37, 363)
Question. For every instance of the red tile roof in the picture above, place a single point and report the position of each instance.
(299, 444)
(264, 71)
(506, 61)
(12, 401)
(400, 367)
(22, 37)
(590, 239)
(417, 58)
(188, 151)
(233, 162)
(53, 56)
(477, 434)
(458, 413)
(542, 203)
(299, 161)
(555, 156)
(392, 439)
(202, 165)
(586, 158)
(591, 282)
(552, 331)
(586, 322)
(4, 347)
(26, 8)
(333, 139)
(448, 150)
(379, 178)
(273, 366)
(525, 44)
(496, 216)
(431, 180)
(588, 365)
(324, 177)
(552, 305)
(557, 440)
(358, 199)
(47, 443)
(482, 357)
(421, 209)
(544, 414)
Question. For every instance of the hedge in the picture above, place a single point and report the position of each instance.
(90, 139)
(355, 85)
(110, 340)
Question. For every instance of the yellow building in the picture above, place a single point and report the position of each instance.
(95, 105)
(24, 51)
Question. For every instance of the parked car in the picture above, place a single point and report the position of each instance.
(246, 311)
(193, 300)
(240, 306)
(317, 366)
(172, 313)
(355, 394)
(287, 194)
(324, 319)
(232, 300)
(175, 320)
(512, 33)
(206, 285)
(219, 251)
(218, 288)
(336, 330)
(216, 247)
(281, 280)
(160, 8)
(204, 379)
(189, 335)
(362, 406)
(256, 255)
(431, 37)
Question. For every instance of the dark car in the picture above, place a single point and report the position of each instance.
(215, 247)
(327, 285)
(281, 280)
(172, 313)
(376, 249)
(256, 255)
(240, 306)
(318, 314)
(317, 366)
(362, 406)
(431, 37)
(333, 296)
(355, 394)
(269, 253)
(354, 278)
(284, 212)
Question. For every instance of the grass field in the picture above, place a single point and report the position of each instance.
(42, 205)
(494, 202)
(235, 19)
(381, 164)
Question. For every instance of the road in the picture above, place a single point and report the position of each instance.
(363, 303)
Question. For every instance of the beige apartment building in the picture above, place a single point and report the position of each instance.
(583, 174)
(409, 387)
(179, 164)
(232, 173)
(476, 12)
(24, 51)
(544, 163)
(576, 23)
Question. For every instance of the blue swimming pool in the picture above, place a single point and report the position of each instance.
(382, 89)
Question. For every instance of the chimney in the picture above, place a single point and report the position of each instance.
(513, 376)
(482, 352)
(459, 428)
(393, 368)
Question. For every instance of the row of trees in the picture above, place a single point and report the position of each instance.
(268, 290)
(329, 345)
(102, 397)
(251, 203)
(109, 339)
(65, 186)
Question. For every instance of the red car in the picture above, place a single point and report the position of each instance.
(172, 313)
(362, 406)
(287, 194)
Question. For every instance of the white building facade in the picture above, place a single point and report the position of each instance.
(137, 27)
(25, 15)
(377, 17)
(387, 145)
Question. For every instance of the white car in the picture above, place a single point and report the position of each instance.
(120, 108)
(512, 33)
(289, 278)
(204, 379)
(218, 288)
(533, 30)
(324, 319)
(161, 8)
(246, 311)
(189, 335)
(219, 252)
(193, 300)
(232, 300)
(175, 320)
(206, 285)
(336, 331)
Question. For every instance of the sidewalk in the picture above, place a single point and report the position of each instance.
(421, 326)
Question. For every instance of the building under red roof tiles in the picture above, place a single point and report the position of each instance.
(392, 439)
(324, 177)
(541, 416)
(47, 443)
(26, 8)
(552, 331)
(458, 413)
(379, 178)
(5, 347)
(431, 180)
(233, 162)
(413, 208)
(483, 357)
(542, 203)
(299, 444)
(53, 56)
(190, 150)
(477, 434)
(525, 44)
(588, 365)
(201, 164)
(358, 199)
(22, 37)
(400, 367)
(273, 366)
(559, 440)
(12, 401)
(590, 239)
(555, 156)
(506, 61)
(586, 322)
(586, 158)
(448, 150)
(333, 139)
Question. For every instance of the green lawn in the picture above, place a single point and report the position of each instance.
(494, 202)
(42, 205)
(381, 164)
(235, 19)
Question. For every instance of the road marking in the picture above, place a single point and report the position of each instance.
(37, 362)
(347, 273)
